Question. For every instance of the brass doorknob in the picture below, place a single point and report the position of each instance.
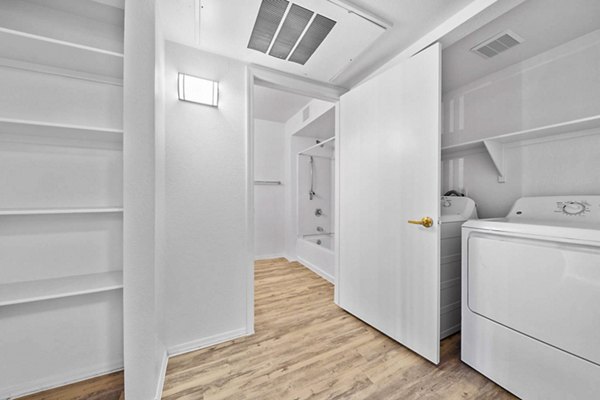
(427, 222)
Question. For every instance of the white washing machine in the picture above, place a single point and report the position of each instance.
(531, 298)
(455, 211)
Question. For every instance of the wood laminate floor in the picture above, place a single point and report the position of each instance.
(305, 347)
(106, 387)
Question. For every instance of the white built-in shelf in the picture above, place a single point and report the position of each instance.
(495, 145)
(323, 149)
(46, 289)
(84, 61)
(57, 211)
(39, 128)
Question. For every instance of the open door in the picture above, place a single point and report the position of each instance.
(389, 269)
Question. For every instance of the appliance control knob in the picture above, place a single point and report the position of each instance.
(574, 208)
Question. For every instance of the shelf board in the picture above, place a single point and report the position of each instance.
(57, 211)
(529, 134)
(320, 149)
(495, 146)
(46, 289)
(41, 50)
(30, 127)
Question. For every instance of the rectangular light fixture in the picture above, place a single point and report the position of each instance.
(198, 90)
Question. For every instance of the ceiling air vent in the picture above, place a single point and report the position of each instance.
(269, 17)
(314, 36)
(497, 44)
(291, 30)
(288, 31)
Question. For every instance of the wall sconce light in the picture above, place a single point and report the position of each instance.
(198, 90)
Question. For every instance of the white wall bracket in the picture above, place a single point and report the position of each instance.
(496, 152)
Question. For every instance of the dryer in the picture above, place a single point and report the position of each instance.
(531, 297)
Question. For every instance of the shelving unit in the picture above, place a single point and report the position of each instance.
(495, 145)
(47, 289)
(61, 140)
(40, 51)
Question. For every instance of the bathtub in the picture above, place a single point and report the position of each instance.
(316, 252)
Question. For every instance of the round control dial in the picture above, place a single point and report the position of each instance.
(574, 208)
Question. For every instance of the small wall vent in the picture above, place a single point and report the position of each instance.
(497, 44)
(287, 31)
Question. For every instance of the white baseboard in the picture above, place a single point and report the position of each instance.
(207, 342)
(162, 375)
(59, 380)
(269, 256)
(317, 270)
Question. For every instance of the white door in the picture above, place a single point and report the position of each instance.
(389, 270)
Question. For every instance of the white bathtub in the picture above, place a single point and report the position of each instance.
(316, 252)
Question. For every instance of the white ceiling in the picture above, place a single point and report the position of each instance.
(113, 3)
(543, 24)
(225, 27)
(276, 105)
(412, 19)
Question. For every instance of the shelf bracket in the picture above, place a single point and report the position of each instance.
(496, 152)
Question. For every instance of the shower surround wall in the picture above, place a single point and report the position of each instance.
(308, 222)
(294, 144)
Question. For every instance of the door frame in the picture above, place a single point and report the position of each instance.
(465, 21)
(289, 83)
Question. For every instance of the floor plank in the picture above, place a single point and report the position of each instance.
(106, 387)
(305, 347)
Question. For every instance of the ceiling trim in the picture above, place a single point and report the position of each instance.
(291, 83)
(113, 3)
(346, 5)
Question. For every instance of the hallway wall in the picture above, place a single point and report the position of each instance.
(204, 292)
(269, 200)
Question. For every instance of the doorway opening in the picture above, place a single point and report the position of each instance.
(294, 178)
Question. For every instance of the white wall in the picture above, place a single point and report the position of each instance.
(556, 86)
(563, 167)
(204, 287)
(144, 353)
(269, 200)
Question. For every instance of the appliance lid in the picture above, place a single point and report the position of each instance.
(574, 217)
(560, 209)
(567, 230)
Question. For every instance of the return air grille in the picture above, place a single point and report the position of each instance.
(498, 44)
(291, 30)
(288, 31)
(314, 36)
(269, 17)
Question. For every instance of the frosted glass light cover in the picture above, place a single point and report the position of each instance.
(198, 90)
